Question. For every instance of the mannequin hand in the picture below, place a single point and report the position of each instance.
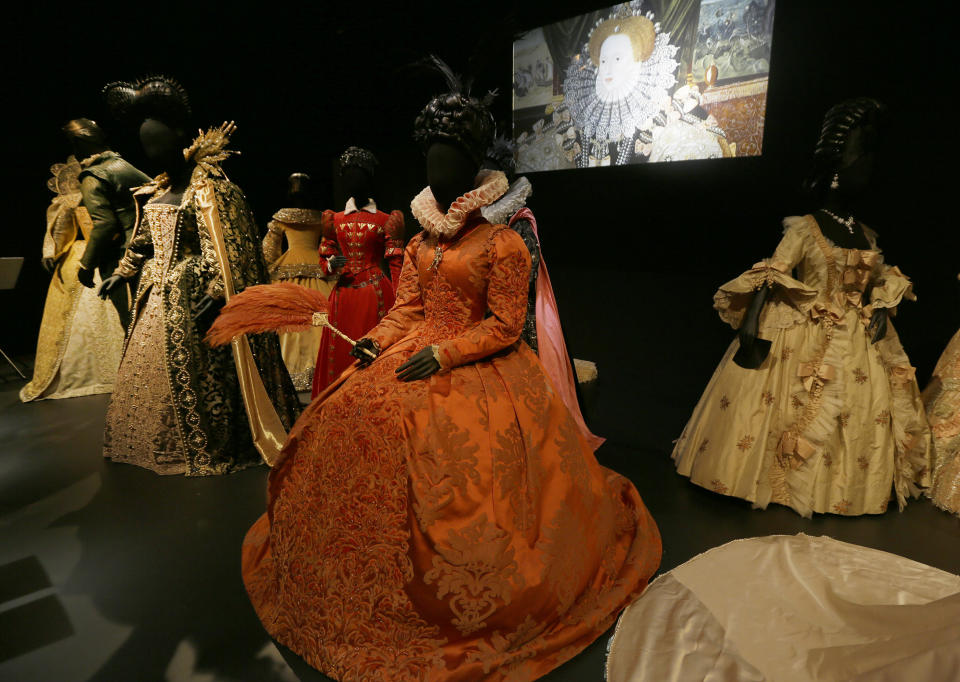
(420, 366)
(206, 305)
(85, 276)
(362, 345)
(337, 262)
(878, 324)
(108, 285)
(48, 264)
(748, 331)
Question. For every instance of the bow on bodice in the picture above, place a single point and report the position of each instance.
(856, 268)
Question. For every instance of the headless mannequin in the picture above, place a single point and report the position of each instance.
(451, 173)
(854, 173)
(298, 191)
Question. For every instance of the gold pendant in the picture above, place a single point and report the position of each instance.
(437, 257)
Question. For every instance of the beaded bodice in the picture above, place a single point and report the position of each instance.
(163, 220)
(362, 240)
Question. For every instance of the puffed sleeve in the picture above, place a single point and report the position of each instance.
(507, 284)
(328, 242)
(790, 298)
(393, 249)
(407, 311)
(890, 287)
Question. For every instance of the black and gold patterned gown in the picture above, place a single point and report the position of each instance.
(177, 407)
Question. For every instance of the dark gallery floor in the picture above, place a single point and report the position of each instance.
(109, 572)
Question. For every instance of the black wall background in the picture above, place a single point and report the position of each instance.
(303, 81)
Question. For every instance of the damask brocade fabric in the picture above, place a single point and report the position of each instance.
(830, 422)
(172, 251)
(452, 528)
(942, 400)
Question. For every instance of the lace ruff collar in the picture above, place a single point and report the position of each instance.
(500, 211)
(491, 185)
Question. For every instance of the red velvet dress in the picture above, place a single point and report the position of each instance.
(363, 294)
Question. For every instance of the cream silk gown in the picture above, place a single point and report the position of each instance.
(830, 422)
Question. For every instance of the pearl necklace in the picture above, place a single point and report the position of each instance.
(848, 223)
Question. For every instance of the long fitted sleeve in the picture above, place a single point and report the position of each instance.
(107, 230)
(507, 285)
(138, 251)
(273, 242)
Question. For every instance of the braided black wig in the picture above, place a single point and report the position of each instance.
(360, 158)
(457, 117)
(838, 124)
(158, 97)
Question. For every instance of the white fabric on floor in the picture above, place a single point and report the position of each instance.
(790, 608)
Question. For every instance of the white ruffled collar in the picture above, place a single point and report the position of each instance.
(500, 211)
(491, 185)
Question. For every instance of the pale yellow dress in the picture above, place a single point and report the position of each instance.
(80, 339)
(299, 264)
(942, 399)
(830, 422)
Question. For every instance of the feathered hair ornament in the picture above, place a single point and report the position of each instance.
(210, 148)
(281, 307)
(457, 117)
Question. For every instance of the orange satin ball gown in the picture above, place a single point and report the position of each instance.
(452, 528)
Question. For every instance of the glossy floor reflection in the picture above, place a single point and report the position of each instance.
(109, 572)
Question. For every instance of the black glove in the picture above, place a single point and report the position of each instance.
(85, 276)
(337, 262)
(48, 264)
(108, 285)
(206, 311)
(878, 324)
(420, 366)
(365, 344)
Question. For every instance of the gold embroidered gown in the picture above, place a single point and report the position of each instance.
(299, 264)
(830, 422)
(80, 339)
(942, 399)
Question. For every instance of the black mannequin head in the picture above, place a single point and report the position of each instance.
(357, 183)
(455, 130)
(300, 191)
(163, 145)
(357, 168)
(846, 153)
(86, 138)
(161, 107)
(451, 172)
